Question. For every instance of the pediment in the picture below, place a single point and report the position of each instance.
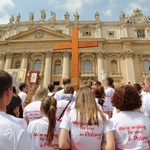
(38, 33)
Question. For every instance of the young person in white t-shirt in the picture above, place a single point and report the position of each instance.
(13, 110)
(132, 128)
(32, 111)
(52, 89)
(12, 136)
(145, 108)
(59, 94)
(87, 125)
(103, 101)
(66, 102)
(45, 131)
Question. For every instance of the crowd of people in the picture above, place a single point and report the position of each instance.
(93, 118)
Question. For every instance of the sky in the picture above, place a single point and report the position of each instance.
(109, 10)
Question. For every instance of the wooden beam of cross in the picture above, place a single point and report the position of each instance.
(75, 45)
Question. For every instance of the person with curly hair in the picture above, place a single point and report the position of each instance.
(132, 128)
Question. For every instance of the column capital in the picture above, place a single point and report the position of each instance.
(100, 54)
(25, 54)
(2, 56)
(9, 55)
(49, 54)
(66, 53)
(129, 54)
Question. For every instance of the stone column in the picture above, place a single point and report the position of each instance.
(129, 67)
(48, 67)
(65, 71)
(24, 63)
(100, 66)
(8, 63)
(2, 61)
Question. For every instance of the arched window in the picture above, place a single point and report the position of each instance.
(57, 68)
(87, 66)
(37, 65)
(146, 66)
(114, 66)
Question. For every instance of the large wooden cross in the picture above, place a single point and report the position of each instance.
(74, 45)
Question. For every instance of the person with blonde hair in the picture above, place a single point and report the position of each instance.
(45, 131)
(30, 95)
(32, 110)
(87, 124)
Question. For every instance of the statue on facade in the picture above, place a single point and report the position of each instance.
(66, 16)
(11, 19)
(53, 16)
(31, 16)
(18, 18)
(43, 14)
(122, 16)
(97, 18)
(76, 17)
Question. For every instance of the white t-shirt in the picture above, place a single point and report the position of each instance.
(21, 122)
(132, 130)
(22, 96)
(51, 93)
(63, 103)
(12, 136)
(107, 107)
(59, 95)
(145, 108)
(85, 137)
(32, 111)
(38, 131)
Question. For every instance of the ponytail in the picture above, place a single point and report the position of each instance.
(49, 107)
(52, 122)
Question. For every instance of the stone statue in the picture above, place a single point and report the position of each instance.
(122, 16)
(11, 19)
(128, 20)
(18, 18)
(66, 16)
(97, 18)
(76, 15)
(31, 16)
(43, 14)
(53, 16)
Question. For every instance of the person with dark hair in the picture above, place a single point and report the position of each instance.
(58, 95)
(132, 128)
(13, 136)
(104, 102)
(13, 110)
(95, 85)
(86, 124)
(52, 90)
(13, 107)
(14, 90)
(137, 87)
(45, 131)
(109, 91)
(23, 87)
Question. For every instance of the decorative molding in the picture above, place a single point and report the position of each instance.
(66, 54)
(38, 33)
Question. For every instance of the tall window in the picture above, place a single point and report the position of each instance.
(114, 67)
(17, 64)
(146, 66)
(87, 66)
(57, 66)
(37, 65)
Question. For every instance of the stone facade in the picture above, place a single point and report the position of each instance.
(123, 47)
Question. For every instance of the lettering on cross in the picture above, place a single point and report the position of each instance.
(75, 45)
